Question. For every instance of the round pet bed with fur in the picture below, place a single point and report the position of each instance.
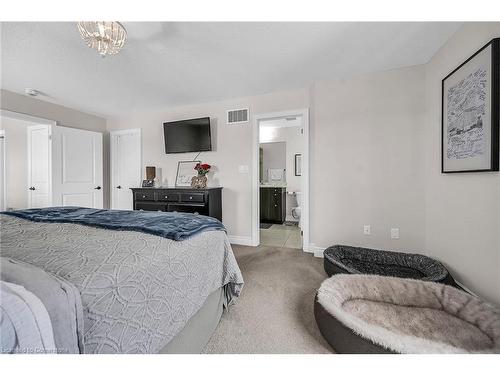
(360, 260)
(380, 314)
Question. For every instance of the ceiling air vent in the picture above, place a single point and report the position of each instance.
(237, 116)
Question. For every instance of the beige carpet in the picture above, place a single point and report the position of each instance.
(274, 313)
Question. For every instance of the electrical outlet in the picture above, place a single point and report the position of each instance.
(394, 233)
(367, 229)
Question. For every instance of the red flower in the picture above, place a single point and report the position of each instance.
(202, 167)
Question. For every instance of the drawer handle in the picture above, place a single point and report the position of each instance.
(275, 205)
(144, 196)
(166, 196)
(190, 198)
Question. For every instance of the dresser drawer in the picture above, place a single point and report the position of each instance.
(167, 197)
(144, 196)
(147, 206)
(193, 197)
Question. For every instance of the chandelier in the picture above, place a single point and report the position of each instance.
(107, 37)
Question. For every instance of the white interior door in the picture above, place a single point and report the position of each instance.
(39, 166)
(125, 167)
(77, 168)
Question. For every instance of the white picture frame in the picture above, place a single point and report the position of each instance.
(185, 172)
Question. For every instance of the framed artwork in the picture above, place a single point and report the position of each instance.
(298, 165)
(185, 172)
(470, 113)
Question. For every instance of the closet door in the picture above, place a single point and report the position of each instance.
(77, 168)
(38, 166)
(126, 167)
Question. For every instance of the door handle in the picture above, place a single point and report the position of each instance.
(97, 188)
(32, 188)
(118, 187)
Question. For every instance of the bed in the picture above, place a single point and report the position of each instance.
(141, 290)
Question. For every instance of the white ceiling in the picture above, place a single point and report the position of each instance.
(170, 64)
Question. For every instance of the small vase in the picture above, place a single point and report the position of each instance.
(199, 182)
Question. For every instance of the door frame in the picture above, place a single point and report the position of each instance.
(4, 184)
(36, 121)
(304, 114)
(49, 170)
(113, 137)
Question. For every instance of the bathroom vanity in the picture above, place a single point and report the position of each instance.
(272, 204)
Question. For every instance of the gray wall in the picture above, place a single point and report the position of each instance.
(366, 160)
(65, 117)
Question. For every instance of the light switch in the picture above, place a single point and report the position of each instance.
(394, 233)
(243, 169)
(367, 229)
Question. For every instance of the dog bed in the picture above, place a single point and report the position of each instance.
(360, 260)
(380, 314)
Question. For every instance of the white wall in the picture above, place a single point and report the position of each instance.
(462, 210)
(366, 160)
(232, 146)
(16, 162)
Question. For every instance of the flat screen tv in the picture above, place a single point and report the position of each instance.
(187, 135)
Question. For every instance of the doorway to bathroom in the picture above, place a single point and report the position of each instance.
(280, 204)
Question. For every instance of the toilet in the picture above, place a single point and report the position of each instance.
(296, 210)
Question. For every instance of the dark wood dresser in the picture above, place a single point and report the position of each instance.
(202, 201)
(272, 204)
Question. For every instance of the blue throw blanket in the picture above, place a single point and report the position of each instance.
(173, 225)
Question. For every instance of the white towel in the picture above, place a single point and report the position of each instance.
(275, 174)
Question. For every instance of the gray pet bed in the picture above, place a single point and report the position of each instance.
(379, 314)
(360, 260)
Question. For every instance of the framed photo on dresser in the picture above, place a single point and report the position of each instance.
(185, 172)
(471, 113)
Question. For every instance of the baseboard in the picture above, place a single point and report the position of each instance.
(317, 251)
(240, 240)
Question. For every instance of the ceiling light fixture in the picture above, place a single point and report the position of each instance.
(107, 37)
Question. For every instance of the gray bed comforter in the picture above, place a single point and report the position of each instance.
(137, 290)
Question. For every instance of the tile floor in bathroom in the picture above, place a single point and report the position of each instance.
(281, 235)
